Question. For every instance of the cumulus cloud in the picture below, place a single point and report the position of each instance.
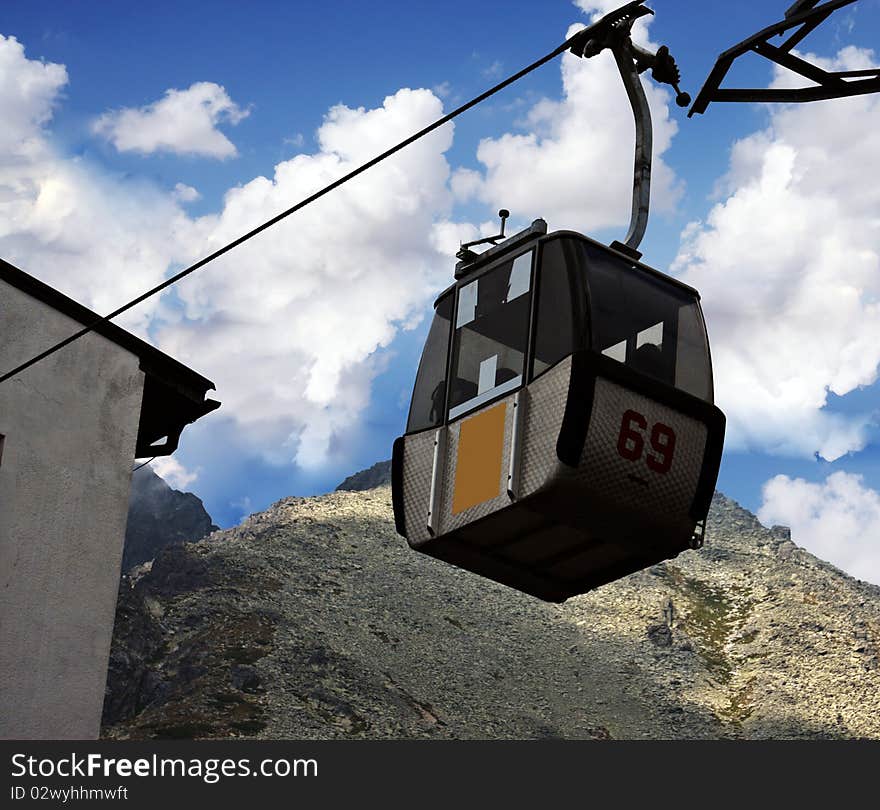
(173, 472)
(573, 163)
(288, 325)
(182, 121)
(788, 265)
(97, 238)
(186, 193)
(28, 91)
(838, 520)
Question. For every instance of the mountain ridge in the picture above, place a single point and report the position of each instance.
(313, 620)
(376, 476)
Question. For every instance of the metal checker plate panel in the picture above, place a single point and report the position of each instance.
(418, 459)
(666, 497)
(544, 409)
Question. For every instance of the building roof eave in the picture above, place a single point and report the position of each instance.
(174, 394)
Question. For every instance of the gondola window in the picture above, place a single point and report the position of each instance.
(491, 335)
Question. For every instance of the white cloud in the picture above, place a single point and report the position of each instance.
(446, 236)
(838, 520)
(185, 193)
(288, 325)
(183, 122)
(173, 472)
(100, 239)
(28, 92)
(789, 270)
(573, 165)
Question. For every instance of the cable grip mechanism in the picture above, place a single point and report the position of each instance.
(614, 31)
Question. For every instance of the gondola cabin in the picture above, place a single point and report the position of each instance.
(562, 432)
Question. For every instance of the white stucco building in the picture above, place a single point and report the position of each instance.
(71, 427)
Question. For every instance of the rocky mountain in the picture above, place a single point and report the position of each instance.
(376, 476)
(159, 516)
(314, 620)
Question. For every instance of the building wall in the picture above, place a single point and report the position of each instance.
(70, 424)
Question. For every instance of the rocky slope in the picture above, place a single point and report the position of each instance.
(159, 516)
(313, 620)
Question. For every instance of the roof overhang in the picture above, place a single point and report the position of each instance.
(174, 394)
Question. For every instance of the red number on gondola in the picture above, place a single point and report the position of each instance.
(631, 442)
(663, 442)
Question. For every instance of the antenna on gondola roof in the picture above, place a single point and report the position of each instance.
(467, 255)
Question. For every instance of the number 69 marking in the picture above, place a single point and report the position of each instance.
(631, 442)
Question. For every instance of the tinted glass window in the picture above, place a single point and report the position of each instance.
(491, 335)
(693, 371)
(652, 326)
(560, 327)
(429, 393)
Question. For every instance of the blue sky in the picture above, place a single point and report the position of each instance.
(314, 334)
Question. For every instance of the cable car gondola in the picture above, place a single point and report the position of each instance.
(562, 431)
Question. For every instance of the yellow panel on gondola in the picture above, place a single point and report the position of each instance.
(480, 452)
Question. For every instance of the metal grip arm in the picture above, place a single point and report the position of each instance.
(641, 197)
(613, 32)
